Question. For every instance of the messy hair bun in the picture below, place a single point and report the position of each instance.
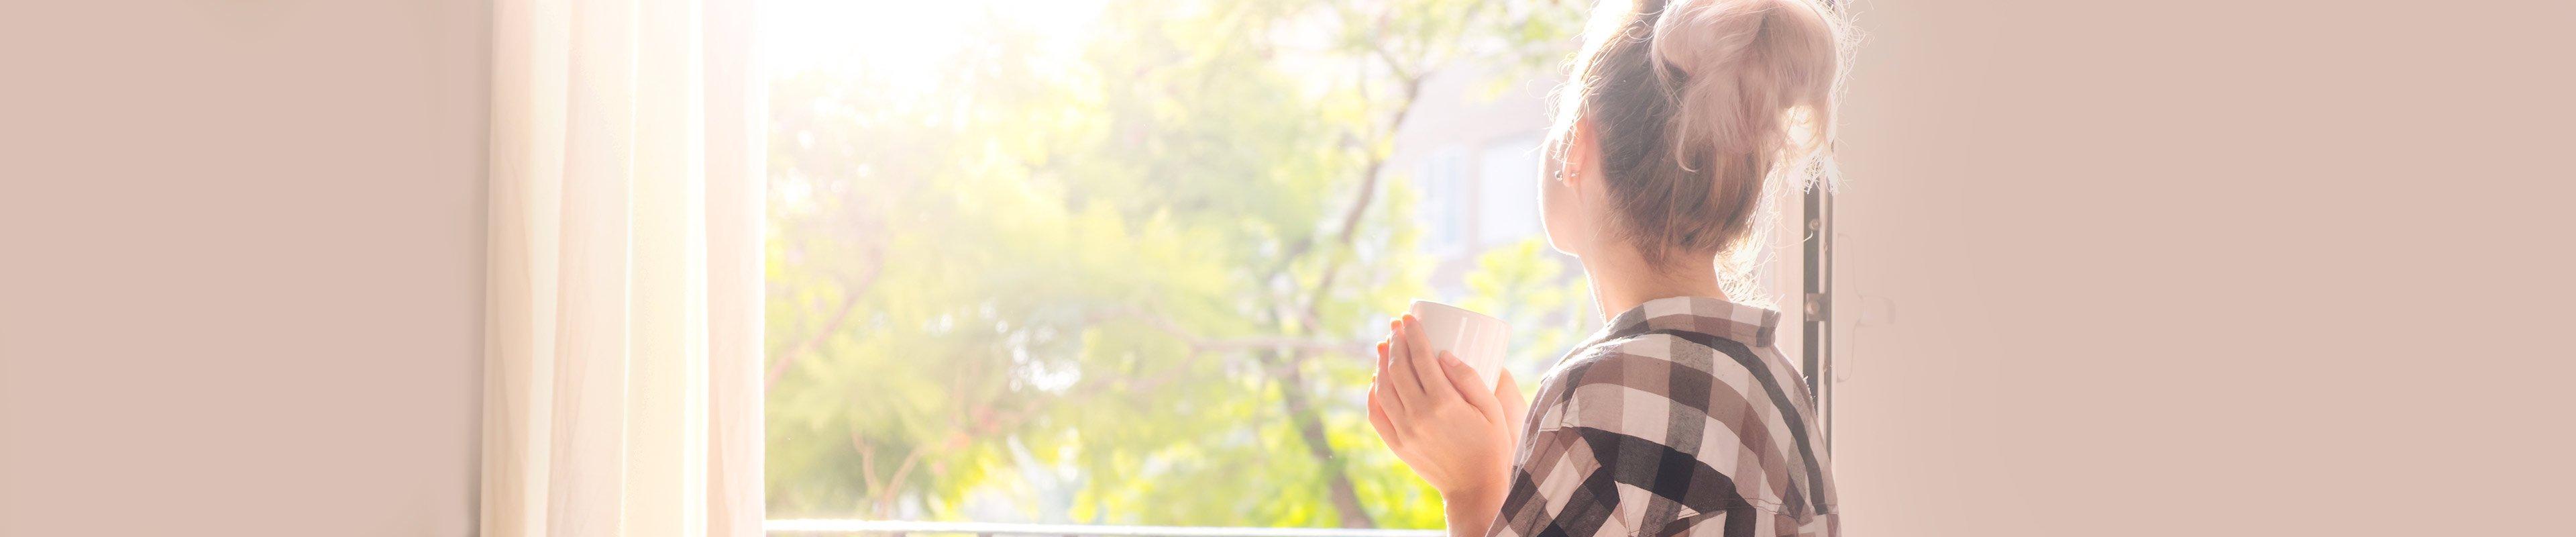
(1700, 108)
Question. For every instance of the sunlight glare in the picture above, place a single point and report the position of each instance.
(900, 39)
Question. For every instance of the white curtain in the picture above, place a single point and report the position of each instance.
(622, 391)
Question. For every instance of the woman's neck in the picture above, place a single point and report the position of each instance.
(1621, 278)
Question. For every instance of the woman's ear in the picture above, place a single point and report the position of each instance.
(1582, 159)
(1573, 194)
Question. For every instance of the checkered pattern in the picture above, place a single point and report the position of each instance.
(1677, 419)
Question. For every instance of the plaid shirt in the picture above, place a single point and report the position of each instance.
(1676, 419)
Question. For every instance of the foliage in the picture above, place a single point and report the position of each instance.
(1132, 281)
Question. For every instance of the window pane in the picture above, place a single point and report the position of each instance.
(1122, 262)
(1508, 190)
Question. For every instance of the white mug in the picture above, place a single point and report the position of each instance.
(1475, 338)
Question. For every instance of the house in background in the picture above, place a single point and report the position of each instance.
(1471, 147)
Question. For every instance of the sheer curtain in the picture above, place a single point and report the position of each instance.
(622, 394)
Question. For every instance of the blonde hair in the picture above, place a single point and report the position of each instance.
(1701, 108)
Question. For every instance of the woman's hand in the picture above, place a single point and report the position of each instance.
(1439, 419)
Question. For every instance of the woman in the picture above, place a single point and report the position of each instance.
(1678, 418)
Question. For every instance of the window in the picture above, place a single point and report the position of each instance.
(1446, 201)
(1100, 262)
(1507, 190)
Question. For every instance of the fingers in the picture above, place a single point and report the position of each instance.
(1409, 384)
(1462, 379)
(1515, 407)
(1377, 419)
(1426, 365)
(1383, 387)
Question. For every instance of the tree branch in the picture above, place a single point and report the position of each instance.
(1301, 411)
(1199, 344)
(1310, 427)
(849, 305)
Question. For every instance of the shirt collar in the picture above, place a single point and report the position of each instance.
(1745, 324)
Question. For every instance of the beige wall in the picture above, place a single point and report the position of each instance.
(243, 266)
(2209, 268)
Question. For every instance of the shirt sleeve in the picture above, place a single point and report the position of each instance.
(1601, 459)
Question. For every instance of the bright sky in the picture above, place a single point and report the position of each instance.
(900, 37)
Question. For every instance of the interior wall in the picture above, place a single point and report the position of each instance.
(2207, 268)
(242, 268)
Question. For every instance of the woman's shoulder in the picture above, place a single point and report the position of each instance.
(1673, 391)
(1635, 358)
(1606, 380)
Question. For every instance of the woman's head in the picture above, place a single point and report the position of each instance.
(1681, 115)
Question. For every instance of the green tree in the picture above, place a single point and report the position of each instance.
(1149, 265)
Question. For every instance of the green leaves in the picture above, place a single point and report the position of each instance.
(1546, 308)
(1111, 284)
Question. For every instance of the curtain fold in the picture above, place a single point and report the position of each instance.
(623, 331)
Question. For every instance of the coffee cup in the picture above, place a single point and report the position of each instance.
(1475, 338)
